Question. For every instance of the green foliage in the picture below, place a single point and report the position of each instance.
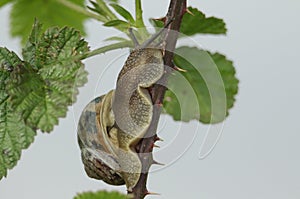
(139, 14)
(117, 23)
(50, 12)
(124, 13)
(42, 89)
(107, 16)
(198, 23)
(14, 134)
(101, 195)
(205, 91)
(4, 2)
(101, 8)
(109, 19)
(35, 92)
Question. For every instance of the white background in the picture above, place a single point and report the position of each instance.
(257, 156)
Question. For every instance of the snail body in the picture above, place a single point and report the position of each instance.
(111, 125)
(133, 108)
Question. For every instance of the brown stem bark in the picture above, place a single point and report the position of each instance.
(176, 10)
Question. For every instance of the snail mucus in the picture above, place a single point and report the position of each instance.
(111, 125)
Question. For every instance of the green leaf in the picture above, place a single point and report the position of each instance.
(14, 134)
(47, 82)
(50, 12)
(101, 195)
(156, 23)
(117, 23)
(104, 10)
(4, 2)
(206, 91)
(198, 23)
(96, 8)
(35, 92)
(123, 12)
(114, 1)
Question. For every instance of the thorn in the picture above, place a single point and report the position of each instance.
(190, 12)
(157, 163)
(159, 104)
(179, 69)
(158, 139)
(154, 145)
(163, 19)
(152, 193)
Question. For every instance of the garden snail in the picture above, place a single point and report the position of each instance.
(97, 153)
(112, 124)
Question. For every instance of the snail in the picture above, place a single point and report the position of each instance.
(111, 125)
(96, 144)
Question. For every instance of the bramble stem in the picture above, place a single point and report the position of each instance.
(177, 8)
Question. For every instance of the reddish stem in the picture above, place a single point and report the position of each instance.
(177, 8)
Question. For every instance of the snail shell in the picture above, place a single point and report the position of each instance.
(111, 125)
(97, 153)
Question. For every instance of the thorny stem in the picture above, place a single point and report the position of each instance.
(176, 10)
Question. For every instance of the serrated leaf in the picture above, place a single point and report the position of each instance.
(47, 82)
(14, 134)
(50, 12)
(206, 91)
(123, 12)
(101, 195)
(198, 23)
